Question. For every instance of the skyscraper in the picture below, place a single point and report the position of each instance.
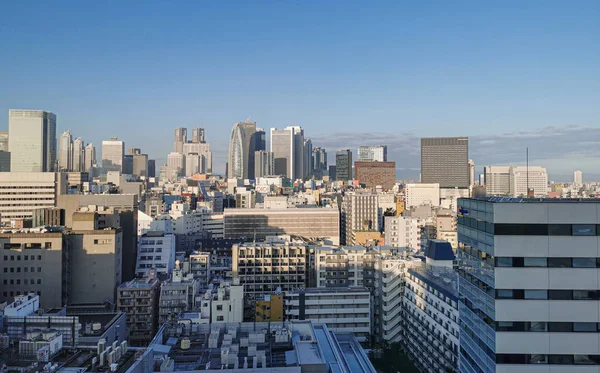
(308, 164)
(471, 172)
(198, 135)
(151, 168)
(32, 140)
(319, 159)
(241, 150)
(263, 163)
(90, 158)
(140, 164)
(175, 166)
(445, 160)
(343, 165)
(578, 178)
(180, 139)
(65, 152)
(374, 153)
(113, 151)
(298, 157)
(4, 141)
(78, 155)
(282, 147)
(193, 164)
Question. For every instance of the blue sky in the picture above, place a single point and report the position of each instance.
(508, 74)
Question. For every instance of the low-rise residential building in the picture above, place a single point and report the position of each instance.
(177, 295)
(270, 308)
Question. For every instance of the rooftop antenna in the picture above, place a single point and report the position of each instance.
(527, 167)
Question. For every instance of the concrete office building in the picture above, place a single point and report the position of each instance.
(260, 275)
(241, 151)
(533, 177)
(578, 178)
(298, 158)
(430, 311)
(528, 285)
(175, 166)
(403, 231)
(156, 250)
(140, 165)
(32, 140)
(343, 165)
(180, 139)
(193, 164)
(422, 194)
(138, 298)
(322, 223)
(37, 262)
(4, 141)
(308, 163)
(113, 151)
(4, 161)
(497, 180)
(360, 212)
(198, 135)
(23, 192)
(343, 310)
(445, 161)
(90, 158)
(65, 152)
(226, 304)
(282, 147)
(373, 174)
(78, 164)
(202, 150)
(319, 159)
(376, 153)
(471, 172)
(264, 163)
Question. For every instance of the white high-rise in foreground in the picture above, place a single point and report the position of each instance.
(65, 152)
(528, 285)
(32, 140)
(376, 153)
(113, 151)
(578, 178)
(422, 194)
(78, 155)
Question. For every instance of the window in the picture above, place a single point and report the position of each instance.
(504, 294)
(584, 262)
(589, 327)
(560, 294)
(39, 281)
(521, 229)
(535, 262)
(538, 359)
(584, 230)
(560, 359)
(220, 318)
(560, 327)
(585, 295)
(585, 360)
(504, 262)
(538, 327)
(535, 294)
(220, 307)
(559, 230)
(559, 262)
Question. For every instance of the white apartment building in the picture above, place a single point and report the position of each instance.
(529, 274)
(430, 310)
(343, 310)
(403, 231)
(422, 194)
(227, 304)
(23, 192)
(156, 250)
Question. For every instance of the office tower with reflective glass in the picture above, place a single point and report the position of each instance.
(445, 160)
(528, 285)
(32, 140)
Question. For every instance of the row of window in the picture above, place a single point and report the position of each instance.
(541, 326)
(548, 294)
(548, 359)
(500, 229)
(15, 293)
(18, 257)
(18, 246)
(18, 282)
(548, 262)
(18, 269)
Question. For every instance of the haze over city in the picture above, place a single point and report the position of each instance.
(507, 75)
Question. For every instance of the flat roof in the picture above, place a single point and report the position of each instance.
(499, 199)
(443, 279)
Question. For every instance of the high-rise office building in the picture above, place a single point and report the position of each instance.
(32, 138)
(319, 159)
(151, 168)
(343, 165)
(90, 157)
(497, 180)
(4, 141)
(78, 156)
(298, 156)
(578, 178)
(65, 152)
(175, 166)
(198, 135)
(282, 147)
(260, 142)
(525, 179)
(471, 172)
(180, 139)
(264, 164)
(193, 164)
(374, 153)
(134, 151)
(140, 165)
(308, 164)
(445, 160)
(113, 151)
(241, 150)
(528, 285)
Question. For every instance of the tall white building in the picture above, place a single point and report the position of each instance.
(113, 152)
(403, 231)
(422, 194)
(471, 172)
(529, 285)
(90, 157)
(536, 178)
(193, 164)
(65, 152)
(32, 140)
(175, 166)
(375, 153)
(180, 139)
(203, 150)
(497, 180)
(282, 147)
(578, 178)
(78, 156)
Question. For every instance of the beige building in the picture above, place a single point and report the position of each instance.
(34, 262)
(23, 192)
(309, 223)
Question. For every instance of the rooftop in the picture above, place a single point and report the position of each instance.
(443, 279)
(499, 199)
(355, 289)
(139, 283)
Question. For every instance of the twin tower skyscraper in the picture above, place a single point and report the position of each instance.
(290, 154)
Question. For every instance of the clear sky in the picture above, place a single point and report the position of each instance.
(507, 74)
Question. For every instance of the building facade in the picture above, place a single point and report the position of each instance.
(343, 165)
(241, 151)
(374, 153)
(32, 140)
(113, 152)
(373, 174)
(445, 161)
